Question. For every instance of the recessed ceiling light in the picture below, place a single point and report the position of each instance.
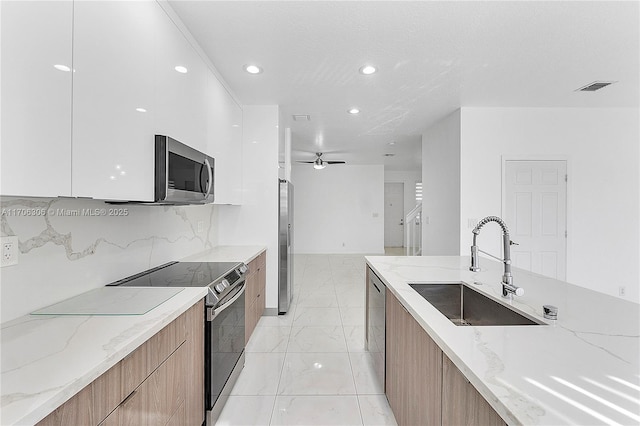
(62, 68)
(252, 69)
(354, 111)
(181, 69)
(141, 110)
(368, 69)
(391, 143)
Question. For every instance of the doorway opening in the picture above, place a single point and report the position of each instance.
(393, 215)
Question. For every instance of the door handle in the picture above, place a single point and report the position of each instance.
(401, 222)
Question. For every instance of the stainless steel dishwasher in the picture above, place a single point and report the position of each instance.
(375, 336)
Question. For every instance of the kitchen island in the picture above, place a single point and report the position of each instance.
(582, 368)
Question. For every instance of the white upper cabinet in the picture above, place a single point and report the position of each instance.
(36, 98)
(136, 76)
(87, 128)
(180, 89)
(114, 99)
(224, 142)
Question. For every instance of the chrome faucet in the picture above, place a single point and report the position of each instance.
(508, 288)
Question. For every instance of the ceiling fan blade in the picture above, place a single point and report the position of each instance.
(307, 162)
(335, 162)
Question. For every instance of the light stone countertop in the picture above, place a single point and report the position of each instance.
(583, 369)
(45, 360)
(48, 359)
(227, 254)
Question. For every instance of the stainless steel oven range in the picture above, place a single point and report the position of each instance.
(224, 319)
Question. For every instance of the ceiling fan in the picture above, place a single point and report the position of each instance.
(319, 163)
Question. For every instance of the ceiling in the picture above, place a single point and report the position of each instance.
(432, 58)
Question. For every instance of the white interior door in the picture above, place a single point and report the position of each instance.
(536, 213)
(394, 214)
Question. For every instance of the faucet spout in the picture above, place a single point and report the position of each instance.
(508, 288)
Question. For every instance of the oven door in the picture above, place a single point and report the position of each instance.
(183, 174)
(224, 349)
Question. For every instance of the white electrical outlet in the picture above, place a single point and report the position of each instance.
(9, 251)
(622, 291)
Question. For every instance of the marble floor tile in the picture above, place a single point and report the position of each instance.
(354, 335)
(269, 339)
(316, 410)
(290, 377)
(317, 316)
(352, 316)
(364, 374)
(318, 299)
(247, 411)
(317, 281)
(350, 297)
(375, 411)
(276, 320)
(261, 374)
(317, 339)
(314, 373)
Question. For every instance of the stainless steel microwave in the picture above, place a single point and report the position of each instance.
(183, 175)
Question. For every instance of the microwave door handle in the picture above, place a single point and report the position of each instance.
(208, 166)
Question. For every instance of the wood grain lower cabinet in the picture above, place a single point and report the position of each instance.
(255, 293)
(462, 404)
(161, 382)
(423, 386)
(413, 368)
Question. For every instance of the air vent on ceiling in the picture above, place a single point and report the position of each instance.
(596, 85)
(301, 117)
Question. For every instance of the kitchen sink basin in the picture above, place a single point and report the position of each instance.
(465, 306)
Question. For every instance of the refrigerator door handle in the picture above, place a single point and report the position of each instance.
(289, 235)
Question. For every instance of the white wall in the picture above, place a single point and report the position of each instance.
(409, 179)
(441, 187)
(255, 222)
(65, 252)
(601, 146)
(339, 209)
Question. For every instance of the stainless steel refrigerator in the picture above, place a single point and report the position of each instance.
(285, 246)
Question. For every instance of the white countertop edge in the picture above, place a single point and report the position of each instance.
(32, 410)
(227, 254)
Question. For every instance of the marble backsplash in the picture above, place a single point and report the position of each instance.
(69, 246)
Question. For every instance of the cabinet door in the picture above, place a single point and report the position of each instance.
(224, 142)
(113, 99)
(181, 90)
(251, 294)
(413, 368)
(36, 98)
(462, 404)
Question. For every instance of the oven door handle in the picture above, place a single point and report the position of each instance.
(212, 313)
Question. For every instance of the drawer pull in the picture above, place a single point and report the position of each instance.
(129, 397)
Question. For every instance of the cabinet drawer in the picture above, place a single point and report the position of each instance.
(139, 364)
(158, 398)
(167, 364)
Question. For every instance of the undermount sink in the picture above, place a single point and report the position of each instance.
(465, 306)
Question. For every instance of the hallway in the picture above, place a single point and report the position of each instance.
(309, 367)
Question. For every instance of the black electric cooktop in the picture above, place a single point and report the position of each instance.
(180, 274)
